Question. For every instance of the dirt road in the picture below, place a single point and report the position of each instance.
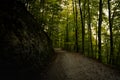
(73, 66)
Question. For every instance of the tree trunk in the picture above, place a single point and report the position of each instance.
(83, 26)
(99, 30)
(67, 38)
(89, 28)
(111, 34)
(76, 28)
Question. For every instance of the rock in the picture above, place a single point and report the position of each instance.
(24, 47)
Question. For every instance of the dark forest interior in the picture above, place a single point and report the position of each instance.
(37, 34)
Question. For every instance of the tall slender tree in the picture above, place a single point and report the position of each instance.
(111, 35)
(67, 34)
(99, 29)
(89, 29)
(76, 27)
(83, 27)
(111, 19)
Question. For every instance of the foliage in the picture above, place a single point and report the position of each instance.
(59, 19)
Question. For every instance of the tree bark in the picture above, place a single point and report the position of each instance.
(89, 29)
(111, 34)
(67, 38)
(99, 29)
(83, 26)
(76, 28)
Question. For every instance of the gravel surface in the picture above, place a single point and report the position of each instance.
(73, 66)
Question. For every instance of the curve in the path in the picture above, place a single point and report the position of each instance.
(73, 66)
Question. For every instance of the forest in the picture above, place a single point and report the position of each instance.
(60, 39)
(90, 27)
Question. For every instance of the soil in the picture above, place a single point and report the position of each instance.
(74, 66)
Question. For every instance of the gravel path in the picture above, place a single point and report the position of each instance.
(73, 66)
